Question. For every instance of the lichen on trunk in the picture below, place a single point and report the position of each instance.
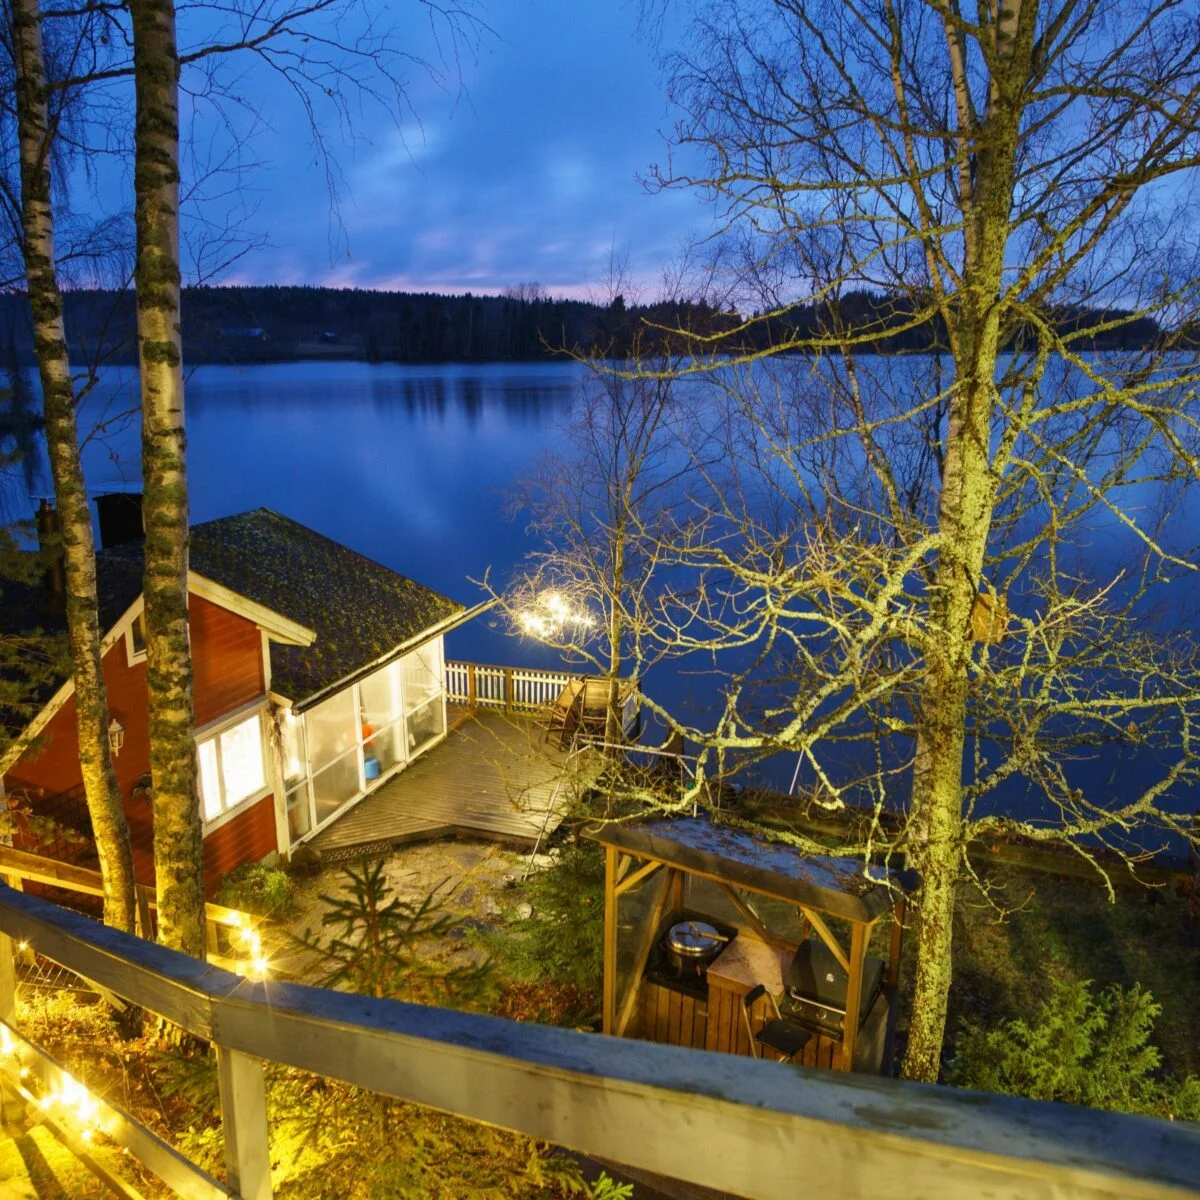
(178, 838)
(36, 134)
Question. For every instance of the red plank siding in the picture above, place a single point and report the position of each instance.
(244, 839)
(227, 661)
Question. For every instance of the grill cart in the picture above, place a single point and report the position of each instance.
(721, 939)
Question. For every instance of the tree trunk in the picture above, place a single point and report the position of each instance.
(62, 441)
(178, 844)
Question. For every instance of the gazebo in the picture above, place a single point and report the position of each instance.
(721, 939)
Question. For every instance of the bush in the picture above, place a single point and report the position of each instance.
(264, 891)
(1078, 1048)
(563, 941)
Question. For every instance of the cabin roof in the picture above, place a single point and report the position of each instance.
(359, 609)
(843, 887)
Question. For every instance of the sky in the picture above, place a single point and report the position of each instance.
(521, 166)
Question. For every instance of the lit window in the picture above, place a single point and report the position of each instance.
(232, 767)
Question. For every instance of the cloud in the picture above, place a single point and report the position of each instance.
(529, 176)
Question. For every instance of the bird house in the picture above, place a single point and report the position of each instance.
(989, 618)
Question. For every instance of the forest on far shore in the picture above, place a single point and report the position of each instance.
(281, 324)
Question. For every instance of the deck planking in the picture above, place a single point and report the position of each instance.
(492, 775)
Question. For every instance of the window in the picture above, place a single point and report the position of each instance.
(135, 640)
(232, 767)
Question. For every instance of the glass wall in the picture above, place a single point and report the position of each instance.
(340, 748)
(424, 697)
(332, 731)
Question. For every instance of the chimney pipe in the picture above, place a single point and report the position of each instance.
(50, 541)
(120, 516)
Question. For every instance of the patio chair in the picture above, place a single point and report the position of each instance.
(562, 719)
(785, 1037)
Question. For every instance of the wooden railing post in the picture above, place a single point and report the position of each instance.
(244, 1122)
(472, 687)
(8, 1008)
(508, 689)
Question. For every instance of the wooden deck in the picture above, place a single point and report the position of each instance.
(493, 776)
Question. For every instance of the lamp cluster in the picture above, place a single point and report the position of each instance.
(550, 613)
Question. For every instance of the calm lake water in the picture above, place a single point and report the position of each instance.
(410, 466)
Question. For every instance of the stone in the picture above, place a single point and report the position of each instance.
(525, 910)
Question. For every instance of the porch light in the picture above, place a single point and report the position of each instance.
(550, 613)
(116, 736)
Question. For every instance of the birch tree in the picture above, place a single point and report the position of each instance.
(1010, 184)
(36, 136)
(178, 835)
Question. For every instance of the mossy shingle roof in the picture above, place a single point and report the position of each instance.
(359, 609)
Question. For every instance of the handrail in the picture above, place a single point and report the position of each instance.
(37, 868)
(515, 689)
(737, 1124)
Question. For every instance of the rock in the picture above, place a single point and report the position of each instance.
(305, 860)
(525, 910)
(490, 907)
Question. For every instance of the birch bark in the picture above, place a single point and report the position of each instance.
(50, 344)
(178, 837)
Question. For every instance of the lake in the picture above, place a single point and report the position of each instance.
(410, 466)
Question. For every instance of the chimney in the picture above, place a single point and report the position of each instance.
(120, 518)
(50, 541)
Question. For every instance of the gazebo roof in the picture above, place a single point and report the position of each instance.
(842, 887)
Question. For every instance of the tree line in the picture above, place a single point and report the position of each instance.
(279, 323)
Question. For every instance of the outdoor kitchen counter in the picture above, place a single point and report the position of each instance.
(741, 966)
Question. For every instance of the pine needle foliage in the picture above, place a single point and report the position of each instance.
(1078, 1048)
(378, 943)
(563, 940)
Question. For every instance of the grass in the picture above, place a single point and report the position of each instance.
(1066, 929)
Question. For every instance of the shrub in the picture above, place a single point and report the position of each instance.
(264, 891)
(1078, 1048)
(563, 941)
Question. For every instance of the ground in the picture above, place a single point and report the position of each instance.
(1054, 928)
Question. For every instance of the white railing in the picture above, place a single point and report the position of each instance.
(759, 1129)
(514, 689)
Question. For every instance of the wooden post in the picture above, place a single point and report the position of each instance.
(472, 687)
(858, 951)
(8, 1013)
(610, 937)
(145, 923)
(8, 980)
(508, 689)
(677, 889)
(244, 1122)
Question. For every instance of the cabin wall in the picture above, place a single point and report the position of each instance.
(228, 673)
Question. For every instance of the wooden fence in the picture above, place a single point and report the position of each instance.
(761, 1130)
(230, 937)
(514, 689)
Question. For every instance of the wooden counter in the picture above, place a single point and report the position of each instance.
(740, 967)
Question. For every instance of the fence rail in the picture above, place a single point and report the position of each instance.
(230, 938)
(514, 689)
(761, 1130)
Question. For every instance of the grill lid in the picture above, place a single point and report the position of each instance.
(694, 939)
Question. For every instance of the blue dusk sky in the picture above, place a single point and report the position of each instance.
(521, 165)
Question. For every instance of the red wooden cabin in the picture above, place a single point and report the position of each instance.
(318, 675)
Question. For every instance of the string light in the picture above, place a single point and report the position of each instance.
(76, 1104)
(259, 963)
(550, 613)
